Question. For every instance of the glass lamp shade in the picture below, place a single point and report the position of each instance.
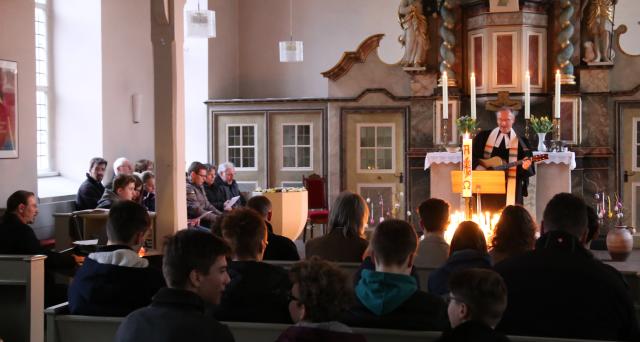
(201, 24)
(291, 51)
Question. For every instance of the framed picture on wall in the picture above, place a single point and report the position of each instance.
(8, 109)
(570, 119)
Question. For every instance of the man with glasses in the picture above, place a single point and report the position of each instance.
(199, 210)
(477, 300)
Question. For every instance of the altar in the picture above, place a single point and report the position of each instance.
(553, 175)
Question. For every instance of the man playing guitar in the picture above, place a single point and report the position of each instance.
(504, 143)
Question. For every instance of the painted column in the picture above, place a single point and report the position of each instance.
(447, 55)
(565, 52)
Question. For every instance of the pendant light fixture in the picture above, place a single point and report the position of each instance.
(291, 50)
(201, 23)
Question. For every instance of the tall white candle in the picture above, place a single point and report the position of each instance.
(472, 88)
(557, 99)
(467, 148)
(527, 96)
(445, 95)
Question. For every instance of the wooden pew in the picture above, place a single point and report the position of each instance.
(62, 327)
(22, 297)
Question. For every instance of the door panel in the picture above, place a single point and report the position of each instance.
(373, 157)
(630, 150)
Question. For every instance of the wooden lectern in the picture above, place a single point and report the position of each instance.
(483, 182)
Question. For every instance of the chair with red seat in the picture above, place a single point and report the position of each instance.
(318, 210)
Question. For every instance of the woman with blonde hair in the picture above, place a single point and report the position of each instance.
(344, 242)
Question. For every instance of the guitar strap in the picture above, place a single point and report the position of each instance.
(512, 144)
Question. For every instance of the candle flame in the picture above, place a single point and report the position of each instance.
(557, 71)
(486, 221)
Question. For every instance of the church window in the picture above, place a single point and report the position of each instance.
(296, 146)
(241, 146)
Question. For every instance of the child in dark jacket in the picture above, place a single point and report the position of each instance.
(257, 291)
(115, 281)
(388, 297)
(477, 300)
(319, 295)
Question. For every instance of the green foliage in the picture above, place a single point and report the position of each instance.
(466, 124)
(541, 124)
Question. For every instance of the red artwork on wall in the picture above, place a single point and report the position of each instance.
(477, 59)
(504, 55)
(8, 109)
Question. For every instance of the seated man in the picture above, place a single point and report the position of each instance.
(560, 290)
(433, 250)
(91, 189)
(124, 187)
(477, 299)
(198, 207)
(257, 291)
(278, 247)
(389, 297)
(195, 268)
(143, 165)
(122, 166)
(17, 237)
(226, 188)
(115, 281)
(319, 295)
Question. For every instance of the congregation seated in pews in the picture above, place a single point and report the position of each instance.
(555, 287)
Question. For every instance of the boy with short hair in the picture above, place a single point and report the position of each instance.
(114, 280)
(477, 300)
(389, 297)
(195, 268)
(257, 291)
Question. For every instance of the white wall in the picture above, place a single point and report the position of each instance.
(223, 51)
(196, 84)
(17, 43)
(327, 28)
(628, 13)
(76, 62)
(127, 68)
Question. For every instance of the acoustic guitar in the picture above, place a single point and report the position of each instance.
(497, 163)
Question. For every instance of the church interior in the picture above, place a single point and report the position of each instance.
(381, 98)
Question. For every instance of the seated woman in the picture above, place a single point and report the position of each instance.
(344, 242)
(468, 250)
(319, 295)
(514, 235)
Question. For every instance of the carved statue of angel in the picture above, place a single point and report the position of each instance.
(414, 37)
(599, 23)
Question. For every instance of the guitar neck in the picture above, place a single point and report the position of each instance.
(509, 165)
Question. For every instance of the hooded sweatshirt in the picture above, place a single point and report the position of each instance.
(393, 301)
(113, 282)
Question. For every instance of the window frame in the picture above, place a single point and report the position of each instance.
(44, 6)
(282, 146)
(393, 147)
(254, 146)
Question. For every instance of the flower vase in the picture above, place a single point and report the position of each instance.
(541, 146)
(619, 243)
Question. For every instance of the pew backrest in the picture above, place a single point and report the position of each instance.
(62, 327)
(22, 297)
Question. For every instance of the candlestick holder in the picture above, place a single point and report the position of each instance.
(445, 135)
(556, 128)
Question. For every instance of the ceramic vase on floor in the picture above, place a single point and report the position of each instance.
(541, 146)
(619, 243)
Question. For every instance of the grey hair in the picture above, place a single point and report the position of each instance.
(506, 109)
(224, 166)
(119, 162)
